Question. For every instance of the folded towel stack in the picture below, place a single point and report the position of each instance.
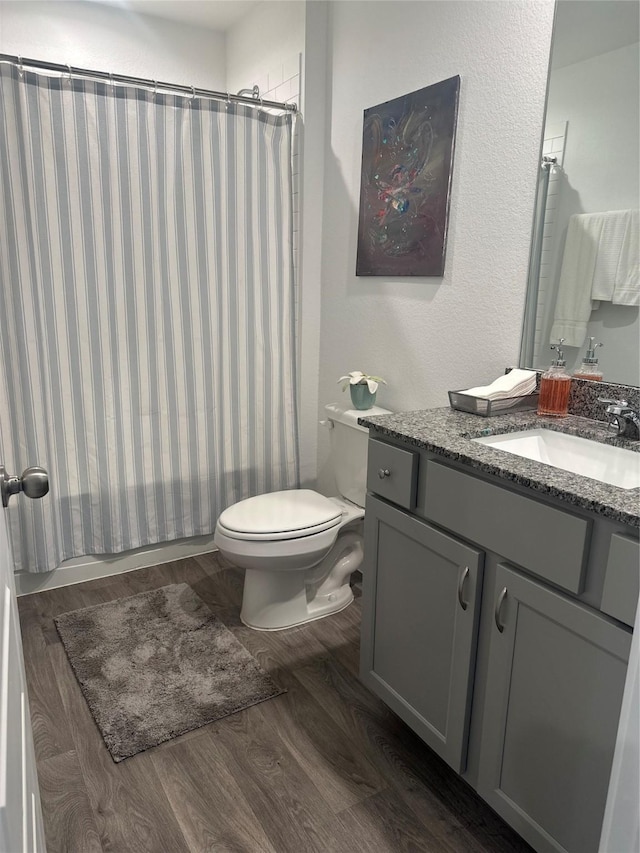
(516, 383)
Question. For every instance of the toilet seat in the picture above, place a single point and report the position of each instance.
(289, 514)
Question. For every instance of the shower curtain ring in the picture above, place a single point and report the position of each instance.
(227, 103)
(111, 79)
(69, 73)
(155, 89)
(193, 94)
(20, 67)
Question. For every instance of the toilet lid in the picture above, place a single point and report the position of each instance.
(295, 512)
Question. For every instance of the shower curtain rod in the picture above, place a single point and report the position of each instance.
(154, 85)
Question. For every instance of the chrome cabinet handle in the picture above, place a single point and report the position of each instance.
(463, 577)
(34, 483)
(383, 472)
(499, 603)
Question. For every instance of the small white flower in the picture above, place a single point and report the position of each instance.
(357, 377)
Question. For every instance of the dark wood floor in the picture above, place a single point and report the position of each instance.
(324, 767)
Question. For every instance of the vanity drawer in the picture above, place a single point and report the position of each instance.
(546, 541)
(392, 473)
(622, 580)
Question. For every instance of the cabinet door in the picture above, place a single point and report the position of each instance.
(421, 593)
(553, 695)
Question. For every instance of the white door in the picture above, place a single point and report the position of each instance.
(21, 828)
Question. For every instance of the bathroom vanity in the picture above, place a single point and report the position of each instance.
(498, 602)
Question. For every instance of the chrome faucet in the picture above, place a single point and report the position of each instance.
(624, 417)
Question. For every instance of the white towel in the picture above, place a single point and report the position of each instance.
(574, 303)
(626, 289)
(516, 383)
(615, 229)
(601, 261)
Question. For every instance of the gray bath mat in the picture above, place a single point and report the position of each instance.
(157, 665)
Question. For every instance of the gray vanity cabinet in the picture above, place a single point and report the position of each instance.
(418, 649)
(495, 623)
(556, 673)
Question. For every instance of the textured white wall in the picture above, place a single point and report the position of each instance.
(106, 38)
(428, 335)
(271, 34)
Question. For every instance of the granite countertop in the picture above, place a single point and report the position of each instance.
(448, 433)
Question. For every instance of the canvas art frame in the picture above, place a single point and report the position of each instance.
(407, 162)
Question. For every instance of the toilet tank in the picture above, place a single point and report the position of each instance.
(349, 450)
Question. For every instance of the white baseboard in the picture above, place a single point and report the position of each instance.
(87, 568)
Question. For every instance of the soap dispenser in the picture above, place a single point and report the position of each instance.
(589, 368)
(555, 385)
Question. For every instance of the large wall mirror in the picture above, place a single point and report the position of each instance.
(584, 279)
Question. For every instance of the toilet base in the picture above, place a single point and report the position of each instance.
(316, 610)
(274, 600)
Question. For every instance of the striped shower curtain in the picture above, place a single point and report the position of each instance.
(147, 339)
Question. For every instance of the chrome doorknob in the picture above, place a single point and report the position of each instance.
(34, 483)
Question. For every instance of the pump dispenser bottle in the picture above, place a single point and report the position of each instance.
(589, 368)
(555, 385)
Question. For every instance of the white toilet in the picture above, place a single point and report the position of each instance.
(298, 547)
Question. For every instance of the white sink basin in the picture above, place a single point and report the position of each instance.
(604, 462)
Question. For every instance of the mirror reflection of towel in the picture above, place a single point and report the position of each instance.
(600, 262)
(626, 290)
(574, 304)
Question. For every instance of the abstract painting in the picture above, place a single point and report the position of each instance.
(407, 157)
